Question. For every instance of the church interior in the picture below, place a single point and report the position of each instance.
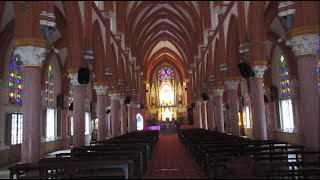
(160, 89)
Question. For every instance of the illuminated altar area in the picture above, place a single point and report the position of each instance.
(166, 95)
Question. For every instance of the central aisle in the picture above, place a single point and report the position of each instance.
(172, 161)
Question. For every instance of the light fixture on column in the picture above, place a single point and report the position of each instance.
(108, 73)
(88, 56)
(285, 11)
(210, 32)
(244, 51)
(132, 60)
(223, 67)
(47, 22)
(118, 36)
(107, 14)
(212, 79)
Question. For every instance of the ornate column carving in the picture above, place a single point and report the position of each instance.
(232, 84)
(32, 53)
(305, 44)
(259, 70)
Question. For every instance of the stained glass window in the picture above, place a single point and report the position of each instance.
(166, 73)
(284, 79)
(49, 87)
(15, 80)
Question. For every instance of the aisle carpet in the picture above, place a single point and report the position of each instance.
(172, 161)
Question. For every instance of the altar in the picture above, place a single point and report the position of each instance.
(168, 128)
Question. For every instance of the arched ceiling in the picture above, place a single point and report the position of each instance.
(173, 28)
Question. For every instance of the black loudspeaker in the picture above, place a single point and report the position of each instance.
(245, 70)
(274, 93)
(71, 106)
(60, 101)
(127, 100)
(141, 106)
(265, 99)
(83, 75)
(108, 111)
(193, 105)
(205, 96)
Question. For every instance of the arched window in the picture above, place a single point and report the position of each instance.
(49, 87)
(286, 113)
(166, 73)
(15, 80)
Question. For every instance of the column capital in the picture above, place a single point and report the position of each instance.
(218, 91)
(305, 44)
(259, 70)
(232, 84)
(114, 96)
(31, 55)
(74, 79)
(101, 89)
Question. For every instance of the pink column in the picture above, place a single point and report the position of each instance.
(305, 49)
(233, 104)
(218, 101)
(79, 99)
(134, 118)
(102, 123)
(210, 112)
(296, 108)
(33, 58)
(309, 100)
(259, 125)
(194, 116)
(219, 113)
(64, 128)
(115, 115)
(199, 119)
(204, 115)
(30, 148)
(130, 118)
(232, 86)
(107, 119)
(123, 117)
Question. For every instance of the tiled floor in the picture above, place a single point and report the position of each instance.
(172, 161)
(5, 174)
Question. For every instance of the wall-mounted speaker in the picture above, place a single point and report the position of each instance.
(83, 75)
(245, 70)
(265, 99)
(205, 96)
(108, 111)
(193, 105)
(71, 106)
(127, 100)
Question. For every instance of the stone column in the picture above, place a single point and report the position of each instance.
(259, 124)
(296, 108)
(33, 58)
(232, 86)
(198, 114)
(210, 112)
(134, 117)
(115, 114)
(305, 48)
(204, 115)
(64, 128)
(130, 118)
(101, 108)
(218, 101)
(79, 100)
(123, 116)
